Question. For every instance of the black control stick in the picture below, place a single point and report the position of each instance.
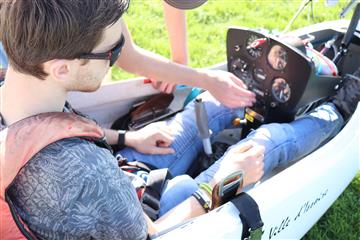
(203, 125)
(348, 35)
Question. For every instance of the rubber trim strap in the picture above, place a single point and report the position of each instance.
(249, 215)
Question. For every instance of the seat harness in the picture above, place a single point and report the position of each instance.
(20, 142)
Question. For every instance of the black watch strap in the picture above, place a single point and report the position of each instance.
(121, 139)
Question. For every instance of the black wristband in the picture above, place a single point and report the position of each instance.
(121, 139)
(203, 200)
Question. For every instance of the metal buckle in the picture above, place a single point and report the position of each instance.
(232, 181)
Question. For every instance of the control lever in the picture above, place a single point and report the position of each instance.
(203, 125)
(348, 35)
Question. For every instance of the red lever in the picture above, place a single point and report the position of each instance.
(147, 81)
(257, 43)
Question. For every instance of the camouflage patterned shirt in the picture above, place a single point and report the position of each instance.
(73, 189)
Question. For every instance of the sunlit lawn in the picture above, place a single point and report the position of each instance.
(206, 32)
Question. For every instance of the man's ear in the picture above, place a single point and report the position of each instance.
(59, 69)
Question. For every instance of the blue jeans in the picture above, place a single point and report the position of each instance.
(282, 142)
(286, 142)
(187, 143)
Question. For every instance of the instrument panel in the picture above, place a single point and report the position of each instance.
(275, 72)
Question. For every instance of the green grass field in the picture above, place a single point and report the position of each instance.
(207, 27)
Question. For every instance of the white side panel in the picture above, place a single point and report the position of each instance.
(222, 223)
(112, 100)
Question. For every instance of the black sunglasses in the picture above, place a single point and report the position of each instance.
(111, 55)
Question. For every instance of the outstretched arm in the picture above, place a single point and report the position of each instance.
(175, 20)
(224, 86)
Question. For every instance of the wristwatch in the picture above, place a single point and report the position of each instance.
(121, 139)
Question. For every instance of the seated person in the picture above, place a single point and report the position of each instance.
(282, 142)
(73, 188)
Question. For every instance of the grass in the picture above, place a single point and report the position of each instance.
(342, 220)
(207, 27)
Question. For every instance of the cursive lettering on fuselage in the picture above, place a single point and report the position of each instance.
(277, 229)
(305, 207)
(309, 204)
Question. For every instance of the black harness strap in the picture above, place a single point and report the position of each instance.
(249, 215)
(17, 219)
(155, 182)
(151, 198)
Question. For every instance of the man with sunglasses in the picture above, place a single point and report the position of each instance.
(72, 188)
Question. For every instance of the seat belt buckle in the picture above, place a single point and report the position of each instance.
(227, 188)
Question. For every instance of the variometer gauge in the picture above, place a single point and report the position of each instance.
(281, 90)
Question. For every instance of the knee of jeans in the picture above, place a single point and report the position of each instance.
(176, 191)
(273, 133)
(206, 98)
(327, 118)
(212, 105)
(181, 183)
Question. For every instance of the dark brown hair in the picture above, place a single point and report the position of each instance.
(36, 31)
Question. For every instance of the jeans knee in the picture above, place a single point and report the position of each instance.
(268, 131)
(176, 191)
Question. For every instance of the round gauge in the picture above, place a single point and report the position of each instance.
(259, 74)
(240, 68)
(238, 64)
(281, 90)
(253, 46)
(277, 57)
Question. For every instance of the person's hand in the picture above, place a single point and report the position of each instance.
(228, 89)
(152, 139)
(163, 86)
(248, 157)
